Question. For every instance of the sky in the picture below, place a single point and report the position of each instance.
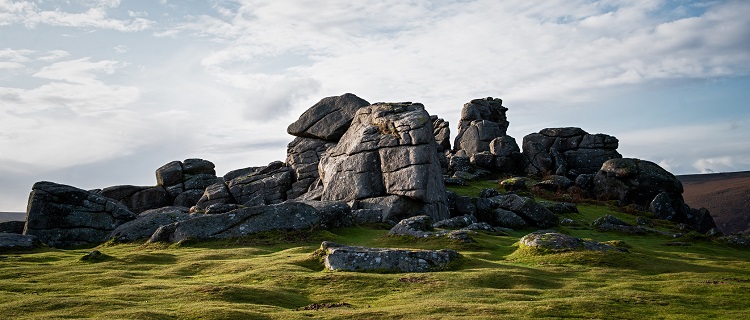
(101, 93)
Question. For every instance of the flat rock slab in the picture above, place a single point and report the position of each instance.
(350, 258)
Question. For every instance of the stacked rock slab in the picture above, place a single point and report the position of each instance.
(567, 151)
(253, 186)
(387, 160)
(62, 216)
(482, 136)
(317, 130)
(350, 258)
(186, 181)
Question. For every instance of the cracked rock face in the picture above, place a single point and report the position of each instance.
(62, 216)
(389, 150)
(482, 120)
(567, 151)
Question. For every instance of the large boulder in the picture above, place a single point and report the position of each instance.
(568, 151)
(524, 208)
(635, 181)
(62, 216)
(328, 119)
(241, 222)
(389, 150)
(349, 258)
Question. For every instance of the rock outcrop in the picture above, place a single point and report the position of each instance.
(350, 258)
(516, 212)
(139, 198)
(328, 119)
(62, 216)
(186, 181)
(388, 156)
(567, 151)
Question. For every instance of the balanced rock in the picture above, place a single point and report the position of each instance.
(328, 119)
(567, 151)
(62, 216)
(388, 151)
(350, 258)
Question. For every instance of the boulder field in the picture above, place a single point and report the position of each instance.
(353, 162)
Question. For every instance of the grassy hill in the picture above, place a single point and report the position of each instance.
(276, 276)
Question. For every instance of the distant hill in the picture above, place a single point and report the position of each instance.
(725, 195)
(12, 216)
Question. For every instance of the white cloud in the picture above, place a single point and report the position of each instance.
(31, 15)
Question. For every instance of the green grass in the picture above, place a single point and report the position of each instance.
(275, 275)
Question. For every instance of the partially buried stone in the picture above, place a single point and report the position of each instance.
(350, 258)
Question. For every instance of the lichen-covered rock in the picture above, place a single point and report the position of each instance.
(506, 219)
(10, 242)
(421, 227)
(148, 221)
(560, 207)
(612, 223)
(217, 193)
(328, 119)
(184, 183)
(241, 222)
(552, 241)
(62, 216)
(567, 151)
(389, 150)
(349, 258)
(528, 209)
(456, 222)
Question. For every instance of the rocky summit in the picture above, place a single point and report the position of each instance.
(353, 162)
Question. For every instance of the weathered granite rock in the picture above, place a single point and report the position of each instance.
(700, 220)
(303, 157)
(241, 222)
(482, 120)
(550, 240)
(442, 132)
(333, 214)
(191, 177)
(328, 119)
(268, 185)
(349, 258)
(12, 226)
(528, 209)
(217, 193)
(517, 184)
(367, 216)
(560, 207)
(421, 227)
(62, 216)
(567, 151)
(507, 155)
(10, 242)
(644, 184)
(741, 240)
(148, 221)
(456, 222)
(506, 219)
(488, 193)
(555, 183)
(460, 163)
(612, 223)
(389, 150)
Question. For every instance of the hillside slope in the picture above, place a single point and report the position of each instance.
(725, 195)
